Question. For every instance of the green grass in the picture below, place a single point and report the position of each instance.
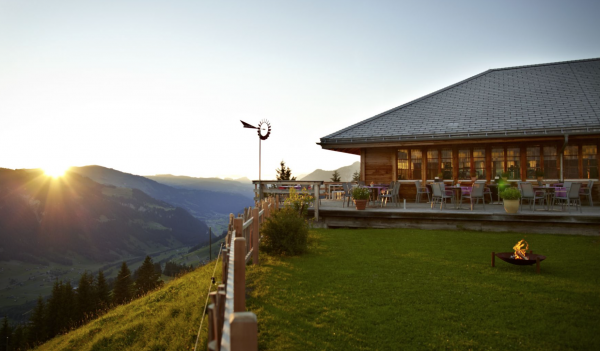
(167, 319)
(428, 290)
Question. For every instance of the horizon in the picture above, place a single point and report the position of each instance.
(160, 88)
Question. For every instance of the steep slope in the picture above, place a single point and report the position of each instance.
(200, 203)
(212, 184)
(44, 219)
(345, 173)
(167, 319)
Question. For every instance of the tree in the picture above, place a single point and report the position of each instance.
(123, 286)
(102, 292)
(5, 334)
(284, 173)
(86, 303)
(37, 328)
(147, 278)
(356, 176)
(336, 176)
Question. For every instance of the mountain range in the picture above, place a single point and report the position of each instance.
(241, 186)
(345, 173)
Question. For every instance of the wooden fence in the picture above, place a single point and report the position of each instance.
(230, 327)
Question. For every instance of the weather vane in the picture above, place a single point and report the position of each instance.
(264, 130)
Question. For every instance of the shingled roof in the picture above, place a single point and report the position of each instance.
(552, 98)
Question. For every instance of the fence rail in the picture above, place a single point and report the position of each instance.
(230, 326)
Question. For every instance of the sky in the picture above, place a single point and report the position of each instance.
(159, 87)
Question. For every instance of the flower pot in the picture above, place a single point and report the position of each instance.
(511, 206)
(360, 204)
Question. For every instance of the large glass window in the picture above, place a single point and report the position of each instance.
(446, 166)
(479, 163)
(533, 162)
(571, 162)
(513, 160)
(433, 164)
(403, 165)
(464, 164)
(497, 162)
(550, 164)
(590, 161)
(416, 159)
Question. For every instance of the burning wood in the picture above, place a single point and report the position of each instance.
(521, 250)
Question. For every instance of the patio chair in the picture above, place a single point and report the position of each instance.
(476, 194)
(486, 190)
(420, 191)
(439, 193)
(347, 196)
(391, 193)
(527, 193)
(571, 197)
(587, 191)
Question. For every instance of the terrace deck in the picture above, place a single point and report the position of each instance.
(493, 218)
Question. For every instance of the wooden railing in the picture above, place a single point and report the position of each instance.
(265, 188)
(230, 327)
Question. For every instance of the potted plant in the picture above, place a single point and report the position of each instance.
(504, 175)
(539, 174)
(361, 197)
(440, 177)
(511, 197)
(473, 176)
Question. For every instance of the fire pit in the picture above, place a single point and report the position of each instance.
(520, 257)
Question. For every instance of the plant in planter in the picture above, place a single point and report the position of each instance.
(539, 174)
(511, 197)
(504, 175)
(473, 176)
(361, 197)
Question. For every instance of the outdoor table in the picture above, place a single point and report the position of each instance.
(375, 190)
(457, 196)
(548, 193)
(331, 193)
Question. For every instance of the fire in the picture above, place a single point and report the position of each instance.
(521, 250)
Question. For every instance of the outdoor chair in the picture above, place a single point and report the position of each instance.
(439, 193)
(587, 191)
(420, 191)
(477, 192)
(527, 193)
(571, 197)
(391, 193)
(486, 190)
(347, 196)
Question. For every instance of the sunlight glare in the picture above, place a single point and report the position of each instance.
(55, 171)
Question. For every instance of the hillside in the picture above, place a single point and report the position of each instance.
(242, 186)
(200, 203)
(43, 219)
(345, 173)
(167, 319)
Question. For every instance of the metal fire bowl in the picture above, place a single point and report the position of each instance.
(505, 256)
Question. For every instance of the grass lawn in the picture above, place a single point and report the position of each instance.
(411, 289)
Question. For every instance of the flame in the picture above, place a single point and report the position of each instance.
(521, 250)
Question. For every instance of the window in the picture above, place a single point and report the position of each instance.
(590, 161)
(416, 159)
(512, 163)
(433, 164)
(571, 163)
(403, 165)
(479, 162)
(497, 162)
(464, 164)
(446, 164)
(550, 164)
(533, 162)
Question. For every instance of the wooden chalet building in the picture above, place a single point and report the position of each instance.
(517, 120)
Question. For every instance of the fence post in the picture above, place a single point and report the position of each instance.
(221, 298)
(255, 235)
(317, 195)
(224, 259)
(244, 331)
(239, 275)
(238, 225)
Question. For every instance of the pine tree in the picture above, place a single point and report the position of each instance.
(37, 328)
(19, 341)
(102, 292)
(123, 286)
(336, 176)
(356, 176)
(85, 298)
(147, 279)
(52, 319)
(158, 269)
(284, 173)
(5, 335)
(69, 303)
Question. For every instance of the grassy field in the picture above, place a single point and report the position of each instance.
(167, 319)
(428, 290)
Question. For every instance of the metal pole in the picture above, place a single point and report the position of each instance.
(259, 177)
(210, 243)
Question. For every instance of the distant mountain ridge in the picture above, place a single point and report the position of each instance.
(242, 186)
(44, 219)
(200, 203)
(345, 173)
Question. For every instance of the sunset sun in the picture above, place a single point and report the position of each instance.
(55, 171)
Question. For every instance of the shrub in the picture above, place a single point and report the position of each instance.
(285, 233)
(299, 201)
(361, 193)
(511, 194)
